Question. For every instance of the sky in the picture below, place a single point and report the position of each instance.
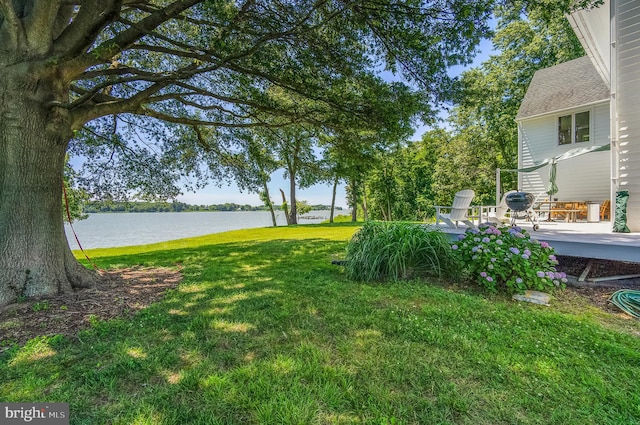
(314, 195)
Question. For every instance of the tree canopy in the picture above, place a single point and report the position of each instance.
(143, 77)
(129, 86)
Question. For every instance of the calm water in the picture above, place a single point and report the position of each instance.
(123, 229)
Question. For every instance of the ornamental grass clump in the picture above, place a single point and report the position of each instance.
(394, 251)
(506, 258)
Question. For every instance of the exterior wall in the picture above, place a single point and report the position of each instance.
(584, 178)
(626, 95)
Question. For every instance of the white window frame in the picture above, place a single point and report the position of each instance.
(573, 127)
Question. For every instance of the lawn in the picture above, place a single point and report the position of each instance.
(264, 329)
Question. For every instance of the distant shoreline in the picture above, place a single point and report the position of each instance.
(99, 207)
(194, 211)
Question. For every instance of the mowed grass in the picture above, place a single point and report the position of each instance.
(264, 330)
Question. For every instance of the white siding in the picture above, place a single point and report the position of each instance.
(584, 178)
(627, 57)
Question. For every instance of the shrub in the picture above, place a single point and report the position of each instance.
(507, 258)
(397, 250)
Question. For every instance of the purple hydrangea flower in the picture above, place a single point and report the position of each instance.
(540, 274)
(518, 280)
(454, 247)
(514, 250)
(544, 245)
(489, 279)
(486, 240)
(483, 274)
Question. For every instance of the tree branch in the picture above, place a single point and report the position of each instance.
(39, 25)
(91, 19)
(126, 38)
(196, 122)
(64, 16)
(11, 25)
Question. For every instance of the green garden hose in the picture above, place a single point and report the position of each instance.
(628, 301)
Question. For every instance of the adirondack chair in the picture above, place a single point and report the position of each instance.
(498, 214)
(458, 212)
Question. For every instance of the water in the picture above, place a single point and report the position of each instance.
(124, 229)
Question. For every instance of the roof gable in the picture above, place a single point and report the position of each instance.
(567, 85)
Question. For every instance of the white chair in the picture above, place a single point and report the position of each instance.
(458, 212)
(498, 214)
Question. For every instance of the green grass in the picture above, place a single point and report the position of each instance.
(264, 330)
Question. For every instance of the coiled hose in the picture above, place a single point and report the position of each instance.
(627, 300)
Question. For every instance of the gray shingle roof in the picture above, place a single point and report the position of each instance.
(568, 85)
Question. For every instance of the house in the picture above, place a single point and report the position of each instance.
(585, 103)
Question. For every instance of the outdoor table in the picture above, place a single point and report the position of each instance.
(570, 209)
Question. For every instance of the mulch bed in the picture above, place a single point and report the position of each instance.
(119, 294)
(598, 293)
(574, 266)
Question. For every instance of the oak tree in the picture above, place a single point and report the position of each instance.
(128, 86)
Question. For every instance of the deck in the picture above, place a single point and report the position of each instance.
(581, 239)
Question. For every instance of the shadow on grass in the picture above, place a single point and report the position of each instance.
(270, 332)
(232, 338)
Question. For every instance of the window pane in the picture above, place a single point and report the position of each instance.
(564, 130)
(582, 127)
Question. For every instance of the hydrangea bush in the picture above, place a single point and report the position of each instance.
(507, 258)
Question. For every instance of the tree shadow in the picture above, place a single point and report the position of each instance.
(244, 313)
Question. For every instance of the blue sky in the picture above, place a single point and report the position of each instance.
(317, 194)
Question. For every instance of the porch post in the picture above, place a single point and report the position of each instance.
(498, 194)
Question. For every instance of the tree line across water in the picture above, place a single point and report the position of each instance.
(111, 206)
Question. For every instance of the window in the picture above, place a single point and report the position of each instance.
(573, 128)
(564, 130)
(582, 127)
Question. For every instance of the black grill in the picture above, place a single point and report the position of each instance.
(520, 201)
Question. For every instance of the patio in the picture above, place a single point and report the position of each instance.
(581, 239)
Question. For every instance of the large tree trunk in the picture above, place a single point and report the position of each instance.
(35, 259)
(365, 211)
(293, 212)
(333, 198)
(269, 203)
(285, 207)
